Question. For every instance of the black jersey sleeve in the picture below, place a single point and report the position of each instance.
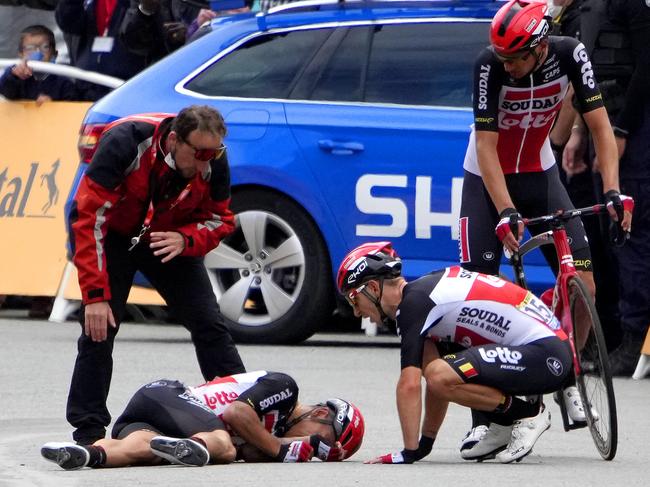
(411, 317)
(488, 77)
(274, 391)
(117, 149)
(578, 67)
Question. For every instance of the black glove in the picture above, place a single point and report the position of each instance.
(620, 203)
(424, 447)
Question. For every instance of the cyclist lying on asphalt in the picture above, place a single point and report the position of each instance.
(505, 341)
(253, 416)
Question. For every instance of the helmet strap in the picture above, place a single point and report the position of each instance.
(307, 415)
(377, 301)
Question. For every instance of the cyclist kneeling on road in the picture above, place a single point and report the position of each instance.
(505, 341)
(253, 416)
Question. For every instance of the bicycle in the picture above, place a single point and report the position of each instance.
(572, 302)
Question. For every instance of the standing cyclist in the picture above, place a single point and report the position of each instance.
(520, 81)
(155, 199)
(505, 342)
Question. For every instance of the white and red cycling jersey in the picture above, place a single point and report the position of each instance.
(470, 309)
(272, 395)
(523, 110)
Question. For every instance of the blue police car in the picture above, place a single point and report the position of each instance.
(347, 122)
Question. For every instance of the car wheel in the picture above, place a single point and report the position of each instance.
(272, 276)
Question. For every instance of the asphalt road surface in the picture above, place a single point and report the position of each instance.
(36, 360)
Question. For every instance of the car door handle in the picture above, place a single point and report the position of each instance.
(340, 148)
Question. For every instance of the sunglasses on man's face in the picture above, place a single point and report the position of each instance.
(351, 297)
(205, 155)
(511, 59)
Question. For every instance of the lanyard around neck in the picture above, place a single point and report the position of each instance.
(146, 224)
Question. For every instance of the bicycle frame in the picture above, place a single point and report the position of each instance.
(557, 235)
(603, 430)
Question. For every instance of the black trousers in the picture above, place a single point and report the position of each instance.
(184, 285)
(634, 263)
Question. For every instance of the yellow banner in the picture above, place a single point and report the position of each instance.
(38, 162)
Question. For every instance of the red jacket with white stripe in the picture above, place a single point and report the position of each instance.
(127, 171)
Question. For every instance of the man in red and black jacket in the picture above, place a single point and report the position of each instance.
(154, 199)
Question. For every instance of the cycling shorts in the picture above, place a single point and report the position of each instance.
(534, 194)
(166, 407)
(538, 367)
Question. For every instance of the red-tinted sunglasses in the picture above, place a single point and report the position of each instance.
(351, 296)
(206, 154)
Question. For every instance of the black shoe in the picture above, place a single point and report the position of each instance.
(68, 456)
(180, 451)
(622, 363)
(623, 360)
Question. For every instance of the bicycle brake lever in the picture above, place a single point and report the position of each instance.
(617, 235)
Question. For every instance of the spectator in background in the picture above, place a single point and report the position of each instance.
(15, 15)
(154, 28)
(574, 153)
(20, 83)
(617, 34)
(632, 131)
(96, 24)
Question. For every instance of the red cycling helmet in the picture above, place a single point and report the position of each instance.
(348, 426)
(368, 261)
(520, 25)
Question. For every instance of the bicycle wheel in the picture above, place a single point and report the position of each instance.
(595, 379)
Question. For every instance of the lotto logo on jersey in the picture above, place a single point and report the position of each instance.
(523, 109)
(219, 398)
(503, 354)
(526, 121)
(580, 55)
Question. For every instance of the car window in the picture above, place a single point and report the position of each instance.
(264, 67)
(410, 64)
(424, 64)
(341, 77)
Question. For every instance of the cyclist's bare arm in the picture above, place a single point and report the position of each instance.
(494, 180)
(244, 421)
(607, 153)
(491, 172)
(605, 145)
(409, 405)
(566, 118)
(434, 409)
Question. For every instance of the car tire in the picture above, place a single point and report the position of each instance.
(272, 276)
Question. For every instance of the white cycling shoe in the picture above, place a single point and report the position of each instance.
(573, 403)
(483, 442)
(525, 433)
